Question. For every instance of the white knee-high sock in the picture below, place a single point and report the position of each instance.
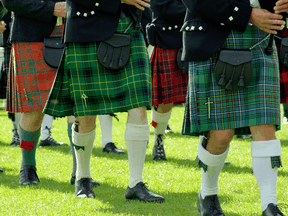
(214, 164)
(47, 122)
(136, 137)
(160, 121)
(266, 176)
(106, 123)
(83, 145)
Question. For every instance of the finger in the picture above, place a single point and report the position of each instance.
(141, 8)
(144, 4)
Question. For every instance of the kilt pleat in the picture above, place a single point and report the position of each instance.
(4, 73)
(169, 84)
(84, 87)
(30, 79)
(257, 104)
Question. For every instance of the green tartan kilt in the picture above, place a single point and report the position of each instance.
(257, 104)
(84, 87)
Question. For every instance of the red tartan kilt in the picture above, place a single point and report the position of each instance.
(283, 74)
(30, 79)
(169, 84)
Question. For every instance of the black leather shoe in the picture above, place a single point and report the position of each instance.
(28, 175)
(141, 192)
(209, 206)
(158, 150)
(168, 129)
(93, 183)
(272, 210)
(111, 148)
(15, 138)
(49, 141)
(83, 188)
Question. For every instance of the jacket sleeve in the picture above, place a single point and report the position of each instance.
(38, 10)
(109, 6)
(172, 11)
(233, 14)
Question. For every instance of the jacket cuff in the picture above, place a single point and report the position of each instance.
(238, 17)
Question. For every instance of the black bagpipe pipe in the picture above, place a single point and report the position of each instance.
(269, 5)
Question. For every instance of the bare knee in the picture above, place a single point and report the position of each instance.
(137, 116)
(32, 121)
(86, 124)
(218, 140)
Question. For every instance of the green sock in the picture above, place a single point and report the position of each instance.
(29, 141)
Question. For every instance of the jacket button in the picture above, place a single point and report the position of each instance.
(187, 28)
(236, 8)
(92, 12)
(96, 4)
(163, 28)
(175, 26)
(170, 28)
(231, 18)
(78, 13)
(192, 27)
(85, 14)
(222, 24)
(200, 28)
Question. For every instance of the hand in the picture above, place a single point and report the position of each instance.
(281, 6)
(138, 3)
(60, 9)
(266, 21)
(2, 26)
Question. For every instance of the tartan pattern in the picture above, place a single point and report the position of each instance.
(257, 104)
(84, 87)
(169, 84)
(276, 161)
(283, 73)
(4, 73)
(30, 78)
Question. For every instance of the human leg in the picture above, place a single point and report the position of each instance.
(212, 153)
(46, 137)
(71, 120)
(29, 132)
(83, 136)
(15, 118)
(266, 152)
(137, 137)
(160, 117)
(106, 123)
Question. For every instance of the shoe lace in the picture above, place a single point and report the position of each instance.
(15, 136)
(160, 145)
(215, 205)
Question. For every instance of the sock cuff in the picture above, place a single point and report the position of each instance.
(29, 136)
(268, 148)
(210, 159)
(137, 132)
(160, 117)
(83, 139)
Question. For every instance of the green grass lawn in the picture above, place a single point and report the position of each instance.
(178, 179)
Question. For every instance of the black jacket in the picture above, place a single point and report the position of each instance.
(167, 17)
(32, 20)
(208, 23)
(91, 21)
